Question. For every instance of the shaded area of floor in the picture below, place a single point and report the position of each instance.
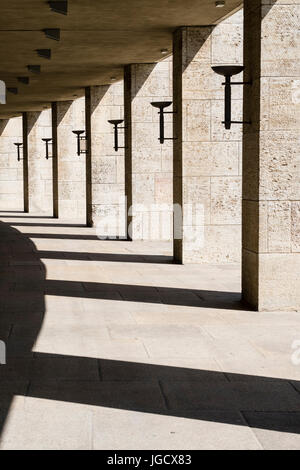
(110, 346)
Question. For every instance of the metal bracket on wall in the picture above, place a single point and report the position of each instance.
(228, 71)
(116, 123)
(161, 105)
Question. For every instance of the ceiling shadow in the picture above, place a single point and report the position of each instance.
(3, 124)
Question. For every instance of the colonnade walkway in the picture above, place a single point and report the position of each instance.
(111, 346)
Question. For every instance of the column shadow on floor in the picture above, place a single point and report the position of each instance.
(109, 257)
(139, 293)
(29, 224)
(244, 400)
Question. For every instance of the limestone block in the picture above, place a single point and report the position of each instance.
(226, 200)
(71, 171)
(255, 226)
(143, 188)
(284, 103)
(143, 110)
(151, 79)
(197, 42)
(279, 226)
(120, 169)
(163, 188)
(227, 43)
(250, 277)
(211, 158)
(218, 131)
(279, 50)
(145, 135)
(147, 160)
(279, 287)
(295, 226)
(9, 174)
(108, 193)
(104, 170)
(196, 125)
(221, 244)
(201, 83)
(196, 191)
(67, 189)
(279, 166)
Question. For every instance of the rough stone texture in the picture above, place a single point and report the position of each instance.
(105, 166)
(39, 168)
(11, 171)
(271, 179)
(148, 161)
(71, 167)
(207, 158)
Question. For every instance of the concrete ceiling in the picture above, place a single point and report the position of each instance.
(98, 37)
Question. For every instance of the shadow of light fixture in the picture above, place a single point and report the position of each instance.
(81, 142)
(161, 105)
(228, 71)
(52, 33)
(44, 53)
(59, 7)
(19, 146)
(116, 123)
(34, 69)
(14, 91)
(24, 80)
(47, 143)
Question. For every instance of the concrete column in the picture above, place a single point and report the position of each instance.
(38, 126)
(105, 166)
(148, 164)
(71, 167)
(207, 169)
(11, 170)
(271, 169)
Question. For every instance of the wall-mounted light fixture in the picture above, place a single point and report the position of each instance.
(116, 123)
(52, 33)
(161, 105)
(228, 71)
(81, 142)
(59, 7)
(44, 53)
(19, 146)
(48, 153)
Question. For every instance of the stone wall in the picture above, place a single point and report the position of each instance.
(106, 187)
(11, 171)
(71, 167)
(207, 158)
(151, 162)
(39, 126)
(271, 189)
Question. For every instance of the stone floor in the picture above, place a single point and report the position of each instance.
(111, 346)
